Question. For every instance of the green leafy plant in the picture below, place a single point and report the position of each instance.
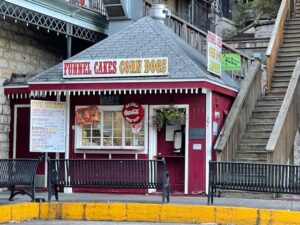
(255, 10)
(170, 114)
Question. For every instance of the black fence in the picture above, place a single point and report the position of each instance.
(107, 173)
(257, 177)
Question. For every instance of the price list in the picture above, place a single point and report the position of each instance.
(47, 126)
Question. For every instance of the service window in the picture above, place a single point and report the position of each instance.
(111, 131)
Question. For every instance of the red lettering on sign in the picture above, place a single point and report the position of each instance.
(77, 68)
(108, 67)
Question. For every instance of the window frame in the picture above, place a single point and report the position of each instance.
(109, 149)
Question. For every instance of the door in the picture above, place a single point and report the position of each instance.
(161, 147)
(21, 139)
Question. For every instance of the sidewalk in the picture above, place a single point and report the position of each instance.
(149, 208)
(286, 202)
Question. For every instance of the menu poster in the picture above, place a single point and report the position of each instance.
(214, 51)
(47, 126)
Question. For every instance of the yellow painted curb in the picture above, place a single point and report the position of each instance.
(5, 215)
(139, 212)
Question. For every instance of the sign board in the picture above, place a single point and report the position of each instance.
(115, 67)
(214, 51)
(47, 126)
(231, 62)
(133, 113)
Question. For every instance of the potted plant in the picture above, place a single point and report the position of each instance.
(170, 115)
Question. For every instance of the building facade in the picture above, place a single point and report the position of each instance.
(144, 68)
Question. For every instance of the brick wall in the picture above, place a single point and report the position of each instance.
(24, 50)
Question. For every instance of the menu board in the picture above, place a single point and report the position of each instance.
(214, 51)
(47, 126)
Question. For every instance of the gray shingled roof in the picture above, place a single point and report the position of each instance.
(144, 38)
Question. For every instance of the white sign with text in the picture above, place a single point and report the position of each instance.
(47, 126)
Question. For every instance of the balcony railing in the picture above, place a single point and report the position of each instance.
(197, 38)
(94, 5)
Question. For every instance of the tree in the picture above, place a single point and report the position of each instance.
(249, 12)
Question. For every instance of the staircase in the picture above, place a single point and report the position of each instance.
(252, 147)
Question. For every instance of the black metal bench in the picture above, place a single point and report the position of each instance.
(15, 172)
(108, 173)
(256, 177)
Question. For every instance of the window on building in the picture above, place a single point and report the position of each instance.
(111, 132)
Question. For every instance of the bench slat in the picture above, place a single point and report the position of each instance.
(18, 172)
(103, 173)
(258, 177)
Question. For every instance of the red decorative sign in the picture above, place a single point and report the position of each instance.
(133, 113)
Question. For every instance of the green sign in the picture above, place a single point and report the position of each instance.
(231, 62)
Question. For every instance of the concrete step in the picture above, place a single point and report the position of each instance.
(269, 103)
(254, 135)
(286, 64)
(290, 44)
(281, 78)
(251, 154)
(282, 74)
(270, 98)
(291, 40)
(264, 108)
(289, 49)
(249, 148)
(279, 84)
(287, 70)
(292, 21)
(260, 129)
(264, 115)
(292, 26)
(276, 92)
(289, 54)
(287, 59)
(262, 121)
(243, 159)
(288, 30)
(296, 35)
(263, 141)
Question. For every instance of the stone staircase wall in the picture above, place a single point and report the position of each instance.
(253, 145)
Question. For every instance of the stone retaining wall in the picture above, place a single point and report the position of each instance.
(24, 50)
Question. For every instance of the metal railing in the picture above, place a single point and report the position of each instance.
(257, 177)
(47, 22)
(197, 38)
(239, 115)
(94, 5)
(107, 173)
(281, 141)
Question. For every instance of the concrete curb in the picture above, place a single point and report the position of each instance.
(139, 212)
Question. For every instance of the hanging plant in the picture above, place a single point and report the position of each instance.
(171, 114)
